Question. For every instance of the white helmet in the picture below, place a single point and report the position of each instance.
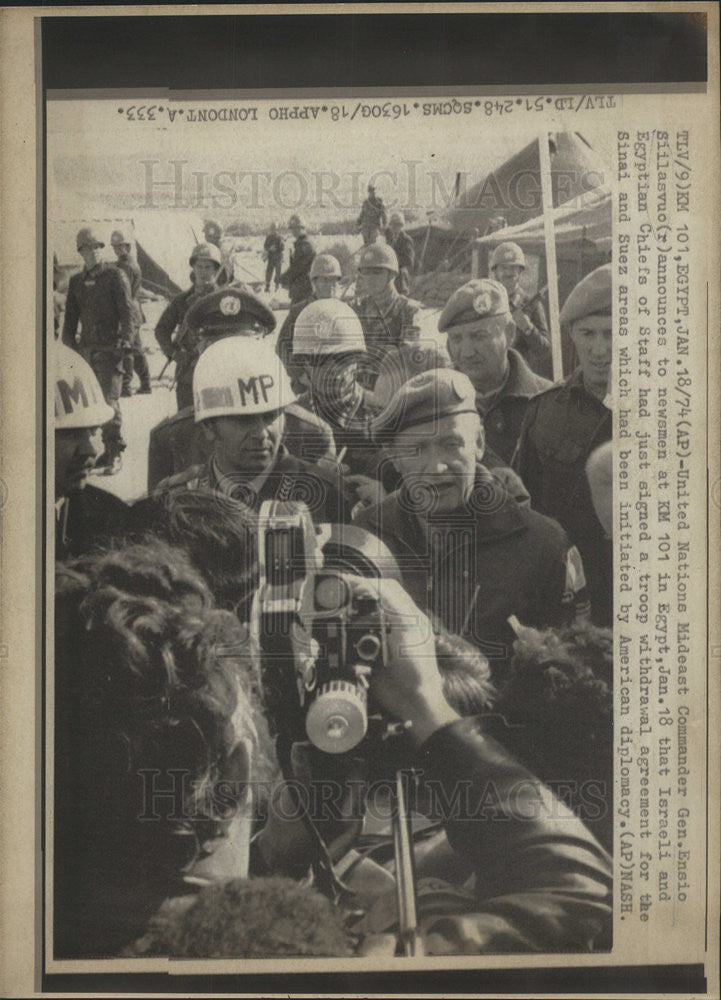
(327, 326)
(238, 376)
(79, 400)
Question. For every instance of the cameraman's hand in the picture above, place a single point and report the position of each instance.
(409, 687)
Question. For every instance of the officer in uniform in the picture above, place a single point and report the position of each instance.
(172, 334)
(479, 329)
(273, 254)
(99, 300)
(468, 552)
(507, 264)
(85, 516)
(404, 249)
(127, 263)
(213, 234)
(372, 219)
(564, 425)
(178, 442)
(240, 401)
(296, 278)
(328, 344)
(325, 275)
(389, 319)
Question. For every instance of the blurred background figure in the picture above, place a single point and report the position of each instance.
(372, 219)
(532, 339)
(127, 263)
(405, 251)
(273, 256)
(296, 277)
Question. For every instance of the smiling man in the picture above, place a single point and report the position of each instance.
(564, 425)
(480, 330)
(84, 515)
(469, 554)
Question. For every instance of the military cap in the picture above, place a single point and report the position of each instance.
(87, 237)
(224, 311)
(427, 397)
(476, 300)
(118, 238)
(592, 295)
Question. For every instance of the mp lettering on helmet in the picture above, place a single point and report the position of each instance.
(69, 398)
(265, 382)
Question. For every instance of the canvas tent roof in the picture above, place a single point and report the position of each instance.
(589, 221)
(513, 190)
(163, 239)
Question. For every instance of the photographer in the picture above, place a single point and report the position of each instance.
(158, 730)
(541, 881)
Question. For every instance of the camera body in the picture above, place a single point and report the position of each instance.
(317, 642)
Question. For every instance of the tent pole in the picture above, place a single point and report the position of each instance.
(551, 268)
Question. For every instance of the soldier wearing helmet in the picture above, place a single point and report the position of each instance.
(170, 331)
(328, 345)
(296, 278)
(273, 256)
(128, 264)
(404, 249)
(177, 442)
(565, 425)
(325, 275)
(99, 301)
(507, 263)
(479, 329)
(389, 319)
(372, 219)
(84, 515)
(240, 400)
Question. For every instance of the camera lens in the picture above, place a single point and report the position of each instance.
(368, 647)
(331, 593)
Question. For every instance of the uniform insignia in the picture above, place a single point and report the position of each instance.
(230, 305)
(482, 303)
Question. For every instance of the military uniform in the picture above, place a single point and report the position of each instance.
(178, 442)
(273, 247)
(387, 327)
(185, 355)
(405, 251)
(474, 567)
(99, 300)
(372, 217)
(296, 278)
(131, 269)
(289, 479)
(534, 344)
(502, 412)
(86, 519)
(562, 427)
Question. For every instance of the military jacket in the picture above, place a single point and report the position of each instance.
(100, 301)
(131, 269)
(296, 278)
(503, 414)
(386, 329)
(88, 518)
(562, 427)
(474, 567)
(178, 442)
(289, 479)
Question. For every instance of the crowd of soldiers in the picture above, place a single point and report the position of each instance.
(461, 460)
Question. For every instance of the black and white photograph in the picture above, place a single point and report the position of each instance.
(376, 636)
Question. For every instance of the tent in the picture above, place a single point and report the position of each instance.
(583, 236)
(507, 197)
(163, 239)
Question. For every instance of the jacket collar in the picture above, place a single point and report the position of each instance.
(492, 511)
(521, 380)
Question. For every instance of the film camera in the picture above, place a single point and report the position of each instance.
(318, 643)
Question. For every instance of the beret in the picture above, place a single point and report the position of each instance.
(227, 309)
(423, 399)
(476, 300)
(591, 295)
